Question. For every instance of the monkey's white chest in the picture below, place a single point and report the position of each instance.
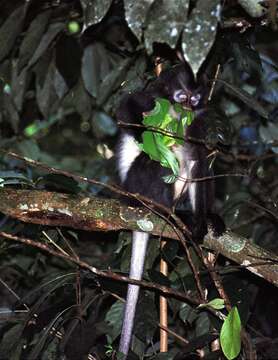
(183, 183)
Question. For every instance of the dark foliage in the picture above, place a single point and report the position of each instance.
(63, 68)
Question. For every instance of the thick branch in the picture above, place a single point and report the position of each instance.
(250, 256)
(89, 213)
(95, 214)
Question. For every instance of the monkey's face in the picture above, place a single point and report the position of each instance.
(179, 86)
(183, 89)
(189, 100)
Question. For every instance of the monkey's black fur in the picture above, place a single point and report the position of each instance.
(145, 176)
(140, 174)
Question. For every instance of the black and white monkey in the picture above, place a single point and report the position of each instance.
(139, 174)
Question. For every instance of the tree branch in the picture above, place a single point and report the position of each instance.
(89, 213)
(186, 296)
(95, 214)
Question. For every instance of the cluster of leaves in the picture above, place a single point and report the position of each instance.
(159, 146)
(62, 67)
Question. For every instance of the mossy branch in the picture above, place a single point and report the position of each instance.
(96, 214)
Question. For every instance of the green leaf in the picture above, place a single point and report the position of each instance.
(146, 318)
(5, 174)
(29, 149)
(153, 145)
(216, 304)
(94, 11)
(158, 116)
(202, 324)
(180, 131)
(169, 179)
(172, 127)
(170, 250)
(188, 118)
(10, 30)
(199, 32)
(158, 146)
(114, 317)
(150, 144)
(230, 335)
(103, 124)
(187, 313)
(32, 38)
(11, 333)
(168, 159)
(46, 40)
(178, 108)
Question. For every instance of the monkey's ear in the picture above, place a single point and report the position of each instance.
(188, 69)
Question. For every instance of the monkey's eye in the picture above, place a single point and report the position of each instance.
(195, 99)
(180, 96)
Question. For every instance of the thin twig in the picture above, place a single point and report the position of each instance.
(106, 274)
(214, 82)
(15, 295)
(174, 334)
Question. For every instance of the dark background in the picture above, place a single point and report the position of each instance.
(64, 65)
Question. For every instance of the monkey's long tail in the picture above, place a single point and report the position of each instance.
(138, 254)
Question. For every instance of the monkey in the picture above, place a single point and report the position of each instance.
(140, 174)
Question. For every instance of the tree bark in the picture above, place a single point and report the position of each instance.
(96, 214)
